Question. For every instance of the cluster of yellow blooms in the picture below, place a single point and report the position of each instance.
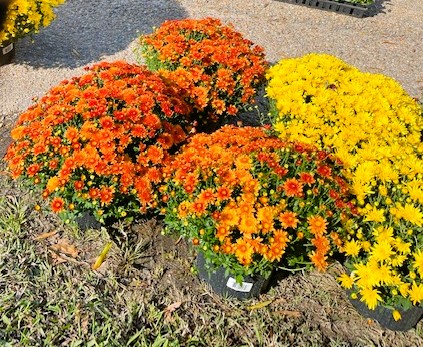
(374, 128)
(24, 17)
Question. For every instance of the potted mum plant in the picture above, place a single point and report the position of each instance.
(23, 18)
(374, 128)
(217, 70)
(97, 143)
(250, 203)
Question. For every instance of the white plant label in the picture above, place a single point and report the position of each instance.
(7, 49)
(243, 287)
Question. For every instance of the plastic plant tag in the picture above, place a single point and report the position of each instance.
(7, 49)
(243, 287)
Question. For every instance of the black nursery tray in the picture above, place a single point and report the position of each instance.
(350, 9)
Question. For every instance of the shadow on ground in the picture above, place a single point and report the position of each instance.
(84, 31)
(379, 6)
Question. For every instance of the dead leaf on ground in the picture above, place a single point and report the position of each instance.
(45, 235)
(170, 309)
(293, 314)
(260, 305)
(56, 259)
(65, 248)
(390, 42)
(279, 301)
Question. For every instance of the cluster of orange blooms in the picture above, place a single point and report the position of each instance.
(251, 199)
(213, 65)
(99, 140)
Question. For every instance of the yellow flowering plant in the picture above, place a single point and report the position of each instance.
(374, 129)
(251, 202)
(25, 17)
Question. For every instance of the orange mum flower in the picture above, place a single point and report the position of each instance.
(248, 225)
(223, 193)
(178, 134)
(324, 171)
(321, 243)
(78, 185)
(106, 195)
(274, 253)
(289, 219)
(154, 175)
(317, 225)
(57, 204)
(198, 207)
(152, 121)
(155, 154)
(293, 187)
(52, 184)
(229, 216)
(207, 196)
(94, 193)
(165, 140)
(221, 233)
(244, 252)
(307, 178)
(280, 238)
(32, 170)
(319, 260)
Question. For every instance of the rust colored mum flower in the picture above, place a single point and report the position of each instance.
(293, 187)
(57, 205)
(99, 140)
(214, 67)
(246, 216)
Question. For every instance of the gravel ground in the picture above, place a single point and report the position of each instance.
(389, 42)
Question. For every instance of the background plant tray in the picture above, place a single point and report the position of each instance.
(350, 9)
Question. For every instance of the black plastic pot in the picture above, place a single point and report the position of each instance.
(87, 221)
(384, 316)
(7, 52)
(226, 285)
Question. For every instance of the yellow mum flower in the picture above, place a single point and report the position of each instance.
(346, 281)
(418, 262)
(396, 315)
(383, 233)
(368, 274)
(352, 248)
(410, 213)
(403, 288)
(375, 215)
(366, 245)
(370, 297)
(381, 251)
(416, 293)
(401, 246)
(415, 193)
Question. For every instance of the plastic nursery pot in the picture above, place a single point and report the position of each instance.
(7, 52)
(409, 318)
(251, 287)
(87, 221)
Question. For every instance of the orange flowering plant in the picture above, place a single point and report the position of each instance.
(252, 202)
(216, 69)
(97, 143)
